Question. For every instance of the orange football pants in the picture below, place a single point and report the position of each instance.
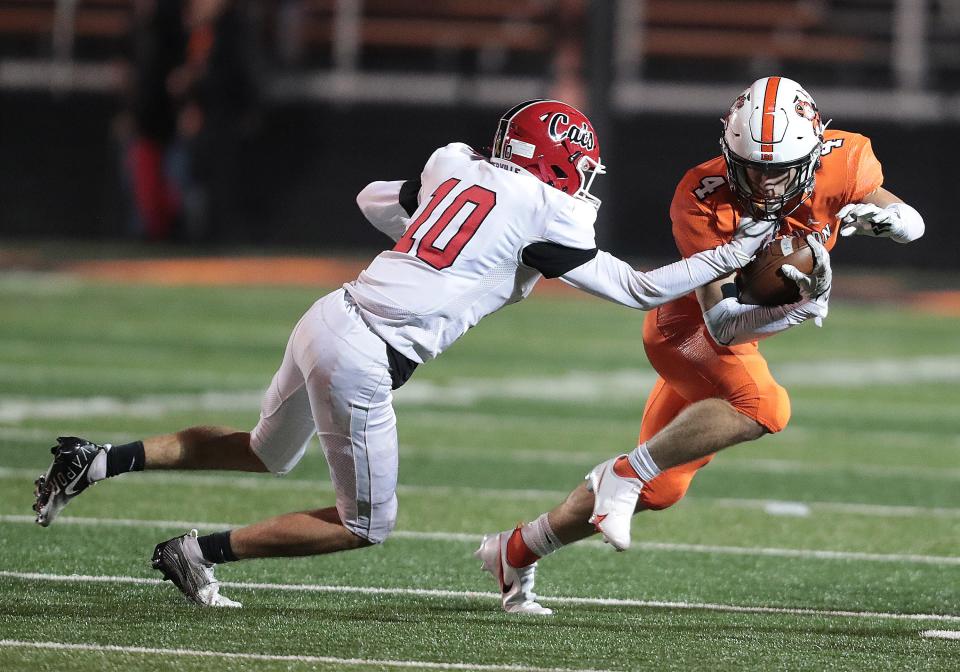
(693, 367)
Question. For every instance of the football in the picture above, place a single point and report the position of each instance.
(762, 283)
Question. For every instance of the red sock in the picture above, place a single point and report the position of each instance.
(623, 468)
(518, 553)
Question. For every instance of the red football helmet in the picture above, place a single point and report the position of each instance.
(553, 141)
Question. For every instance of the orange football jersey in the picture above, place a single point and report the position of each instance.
(705, 213)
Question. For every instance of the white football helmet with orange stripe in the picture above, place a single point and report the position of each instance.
(772, 139)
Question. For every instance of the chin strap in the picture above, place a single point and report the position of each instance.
(546, 175)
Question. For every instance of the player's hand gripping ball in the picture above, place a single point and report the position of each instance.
(762, 282)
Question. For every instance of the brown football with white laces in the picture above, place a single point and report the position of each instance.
(762, 283)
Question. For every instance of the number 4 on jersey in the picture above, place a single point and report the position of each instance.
(440, 258)
(708, 185)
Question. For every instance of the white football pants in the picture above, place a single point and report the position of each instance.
(335, 381)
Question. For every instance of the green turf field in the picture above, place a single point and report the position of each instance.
(832, 546)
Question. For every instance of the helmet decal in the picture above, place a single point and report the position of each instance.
(554, 142)
(808, 110)
(769, 116)
(578, 135)
(737, 104)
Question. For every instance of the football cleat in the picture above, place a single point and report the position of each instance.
(614, 501)
(181, 561)
(516, 583)
(66, 478)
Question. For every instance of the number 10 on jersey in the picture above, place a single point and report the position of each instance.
(482, 201)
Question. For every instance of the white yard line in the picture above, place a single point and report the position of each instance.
(797, 553)
(852, 508)
(941, 634)
(575, 386)
(266, 483)
(564, 457)
(801, 431)
(331, 660)
(468, 594)
(150, 406)
(774, 466)
(156, 376)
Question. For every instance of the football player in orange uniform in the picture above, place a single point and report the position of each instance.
(714, 389)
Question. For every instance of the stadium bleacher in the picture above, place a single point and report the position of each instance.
(661, 40)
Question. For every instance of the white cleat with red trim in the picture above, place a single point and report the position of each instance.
(516, 583)
(614, 501)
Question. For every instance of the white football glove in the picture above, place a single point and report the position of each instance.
(815, 309)
(867, 219)
(818, 282)
(751, 235)
(897, 221)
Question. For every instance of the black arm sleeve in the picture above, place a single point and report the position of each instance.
(553, 260)
(408, 196)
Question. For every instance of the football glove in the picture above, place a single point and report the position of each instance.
(750, 236)
(818, 282)
(898, 221)
(815, 309)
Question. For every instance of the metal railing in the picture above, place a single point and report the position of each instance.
(863, 58)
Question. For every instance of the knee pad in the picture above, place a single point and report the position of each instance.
(376, 526)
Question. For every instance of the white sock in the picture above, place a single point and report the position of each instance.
(98, 468)
(643, 464)
(539, 538)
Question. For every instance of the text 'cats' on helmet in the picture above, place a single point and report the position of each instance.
(553, 141)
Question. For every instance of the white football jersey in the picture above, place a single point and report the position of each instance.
(459, 257)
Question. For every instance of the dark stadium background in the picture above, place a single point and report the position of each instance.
(311, 150)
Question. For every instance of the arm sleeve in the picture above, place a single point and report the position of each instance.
(389, 205)
(610, 278)
(911, 223)
(732, 323)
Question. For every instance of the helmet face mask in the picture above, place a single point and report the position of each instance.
(554, 142)
(771, 190)
(772, 142)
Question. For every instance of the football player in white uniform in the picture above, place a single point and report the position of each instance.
(472, 235)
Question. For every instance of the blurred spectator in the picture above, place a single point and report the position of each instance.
(192, 103)
(219, 86)
(148, 127)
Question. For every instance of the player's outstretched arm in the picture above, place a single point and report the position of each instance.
(389, 205)
(882, 215)
(610, 278)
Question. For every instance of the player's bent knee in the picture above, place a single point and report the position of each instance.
(769, 412)
(375, 528)
(776, 410)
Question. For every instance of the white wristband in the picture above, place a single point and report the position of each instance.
(908, 224)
